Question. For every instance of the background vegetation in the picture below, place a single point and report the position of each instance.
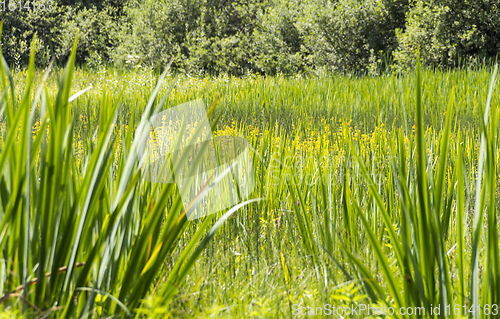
(265, 36)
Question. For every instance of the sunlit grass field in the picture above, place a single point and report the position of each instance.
(374, 190)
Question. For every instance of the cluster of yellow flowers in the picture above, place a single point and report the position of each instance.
(326, 140)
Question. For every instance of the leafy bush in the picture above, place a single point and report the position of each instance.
(96, 29)
(448, 31)
(352, 35)
(222, 41)
(197, 37)
(265, 36)
(155, 31)
(279, 40)
(56, 29)
(21, 25)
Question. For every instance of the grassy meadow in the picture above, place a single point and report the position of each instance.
(374, 190)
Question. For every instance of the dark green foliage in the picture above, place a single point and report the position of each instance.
(157, 32)
(265, 36)
(21, 25)
(96, 30)
(197, 36)
(56, 27)
(353, 36)
(278, 39)
(447, 32)
(269, 37)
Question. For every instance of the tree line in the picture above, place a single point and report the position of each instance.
(239, 37)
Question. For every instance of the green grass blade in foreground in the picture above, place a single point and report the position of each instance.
(460, 222)
(381, 258)
(381, 206)
(479, 204)
(26, 139)
(426, 257)
(491, 285)
(179, 273)
(103, 293)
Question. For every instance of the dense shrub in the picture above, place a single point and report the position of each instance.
(222, 41)
(447, 31)
(56, 29)
(349, 35)
(278, 39)
(19, 28)
(265, 36)
(95, 37)
(154, 32)
(268, 37)
(196, 36)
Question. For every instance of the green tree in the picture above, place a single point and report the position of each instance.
(447, 32)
